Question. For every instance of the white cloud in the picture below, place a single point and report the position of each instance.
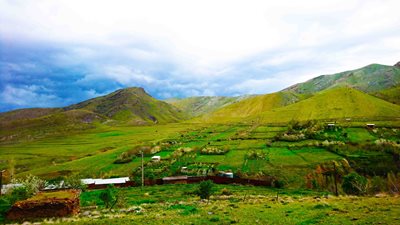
(28, 96)
(183, 48)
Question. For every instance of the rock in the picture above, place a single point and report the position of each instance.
(397, 64)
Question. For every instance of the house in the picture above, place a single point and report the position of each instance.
(225, 174)
(156, 158)
(175, 180)
(371, 125)
(184, 169)
(330, 126)
(103, 183)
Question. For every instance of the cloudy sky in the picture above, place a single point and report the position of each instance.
(55, 53)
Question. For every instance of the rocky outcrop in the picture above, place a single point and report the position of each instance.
(397, 64)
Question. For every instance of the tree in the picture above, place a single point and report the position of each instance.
(32, 184)
(74, 181)
(354, 183)
(205, 189)
(109, 197)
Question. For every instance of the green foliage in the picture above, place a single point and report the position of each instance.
(18, 194)
(257, 155)
(31, 183)
(354, 184)
(185, 209)
(109, 197)
(278, 183)
(214, 151)
(74, 181)
(205, 189)
(124, 157)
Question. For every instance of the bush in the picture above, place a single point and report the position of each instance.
(18, 194)
(108, 197)
(278, 183)
(125, 157)
(74, 181)
(214, 151)
(32, 184)
(226, 191)
(355, 184)
(205, 189)
(257, 155)
(377, 184)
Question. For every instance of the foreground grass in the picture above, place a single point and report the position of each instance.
(173, 204)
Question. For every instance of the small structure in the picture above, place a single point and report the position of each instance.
(184, 169)
(46, 204)
(370, 125)
(103, 183)
(8, 187)
(228, 175)
(330, 126)
(156, 158)
(175, 180)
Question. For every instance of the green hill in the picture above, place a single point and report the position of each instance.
(391, 95)
(337, 103)
(30, 113)
(59, 123)
(369, 79)
(131, 105)
(196, 106)
(250, 107)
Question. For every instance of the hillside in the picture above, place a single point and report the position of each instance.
(30, 113)
(337, 103)
(53, 124)
(369, 79)
(195, 106)
(131, 105)
(391, 95)
(250, 107)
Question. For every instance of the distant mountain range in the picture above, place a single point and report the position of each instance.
(371, 92)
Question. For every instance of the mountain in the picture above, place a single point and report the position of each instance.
(335, 103)
(369, 79)
(195, 106)
(24, 114)
(251, 107)
(132, 105)
(59, 122)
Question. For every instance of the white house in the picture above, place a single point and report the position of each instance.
(156, 158)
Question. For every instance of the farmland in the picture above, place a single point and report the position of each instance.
(92, 153)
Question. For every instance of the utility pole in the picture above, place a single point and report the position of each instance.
(1, 180)
(142, 170)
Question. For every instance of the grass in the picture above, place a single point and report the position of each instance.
(173, 204)
(52, 195)
(343, 103)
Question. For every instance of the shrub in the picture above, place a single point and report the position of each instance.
(377, 184)
(253, 154)
(353, 183)
(205, 189)
(32, 184)
(278, 183)
(214, 151)
(19, 193)
(74, 181)
(125, 157)
(226, 191)
(108, 196)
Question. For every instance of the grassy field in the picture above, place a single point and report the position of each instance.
(92, 153)
(175, 204)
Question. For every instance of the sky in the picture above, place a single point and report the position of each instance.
(56, 53)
